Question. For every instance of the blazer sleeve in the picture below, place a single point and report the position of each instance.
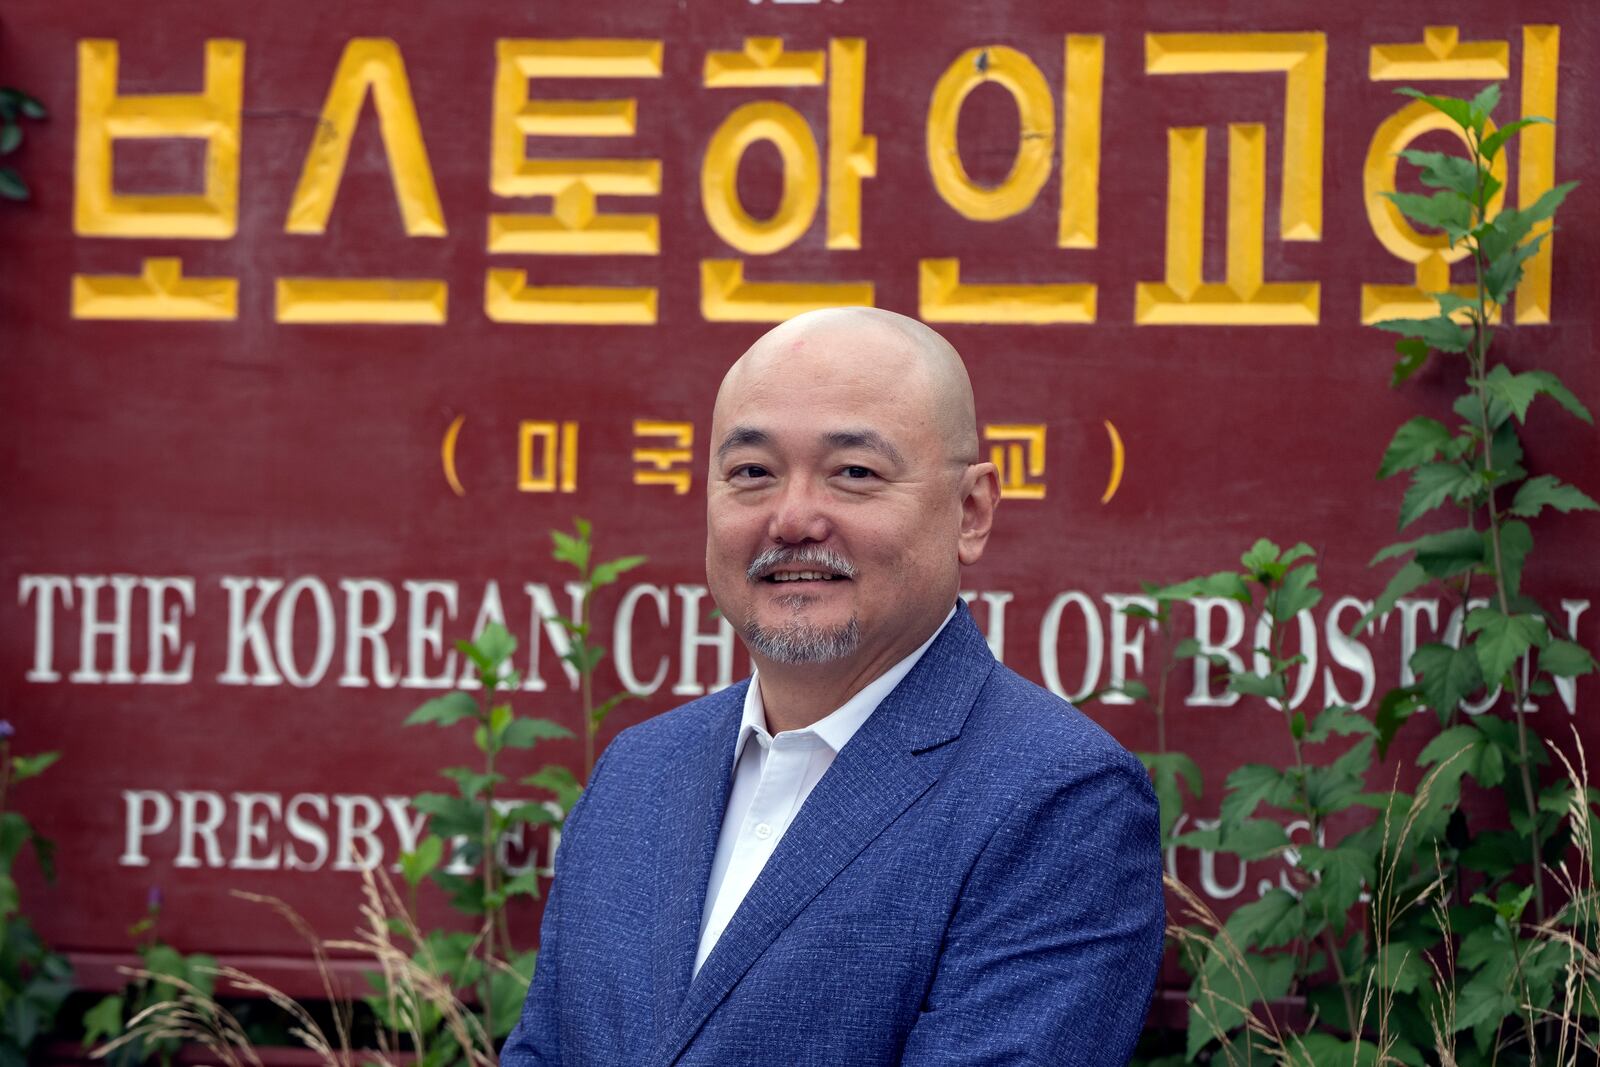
(536, 1039)
(1052, 954)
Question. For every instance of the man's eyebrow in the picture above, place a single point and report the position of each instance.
(871, 440)
(742, 436)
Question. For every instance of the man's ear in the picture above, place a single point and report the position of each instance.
(980, 495)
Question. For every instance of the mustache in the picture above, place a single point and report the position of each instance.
(813, 556)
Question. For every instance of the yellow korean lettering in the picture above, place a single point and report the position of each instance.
(575, 225)
(369, 66)
(852, 154)
(1017, 74)
(1536, 163)
(1244, 298)
(1079, 223)
(158, 292)
(1441, 55)
(507, 297)
(1303, 57)
(392, 301)
(1017, 450)
(665, 462)
(547, 457)
(763, 64)
(725, 295)
(944, 297)
(106, 116)
(783, 127)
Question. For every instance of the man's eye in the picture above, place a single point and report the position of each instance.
(857, 472)
(750, 470)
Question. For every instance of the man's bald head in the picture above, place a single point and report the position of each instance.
(882, 349)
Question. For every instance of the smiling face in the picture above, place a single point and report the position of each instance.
(843, 494)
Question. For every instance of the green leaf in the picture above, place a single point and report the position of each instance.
(606, 573)
(524, 733)
(1443, 171)
(450, 816)
(1276, 919)
(1448, 211)
(1483, 105)
(1324, 1050)
(104, 1020)
(1414, 443)
(1413, 354)
(1256, 685)
(560, 782)
(1406, 580)
(1252, 839)
(445, 711)
(500, 717)
(1565, 659)
(497, 644)
(1519, 391)
(571, 550)
(471, 783)
(1502, 639)
(1260, 558)
(421, 861)
(1546, 490)
(1340, 784)
(1504, 273)
(25, 767)
(1397, 706)
(1227, 584)
(1431, 485)
(1459, 111)
(1341, 873)
(1166, 769)
(12, 187)
(1226, 987)
(1341, 720)
(1295, 594)
(1248, 787)
(1448, 675)
(1439, 332)
(10, 137)
(1516, 541)
(1440, 555)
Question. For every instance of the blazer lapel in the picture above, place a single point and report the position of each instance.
(871, 782)
(695, 796)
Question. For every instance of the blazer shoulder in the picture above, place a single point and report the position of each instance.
(685, 725)
(1030, 727)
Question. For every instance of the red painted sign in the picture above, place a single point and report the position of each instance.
(321, 316)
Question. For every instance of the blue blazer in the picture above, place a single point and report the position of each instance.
(975, 880)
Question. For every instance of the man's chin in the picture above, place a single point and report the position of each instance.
(797, 642)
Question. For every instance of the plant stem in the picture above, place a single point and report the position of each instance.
(1480, 361)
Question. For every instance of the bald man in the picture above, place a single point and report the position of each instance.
(885, 847)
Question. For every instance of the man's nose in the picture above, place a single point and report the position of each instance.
(800, 513)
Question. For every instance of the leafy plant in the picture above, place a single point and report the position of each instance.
(15, 105)
(33, 979)
(578, 552)
(467, 828)
(163, 973)
(1416, 932)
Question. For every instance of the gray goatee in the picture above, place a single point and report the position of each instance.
(796, 641)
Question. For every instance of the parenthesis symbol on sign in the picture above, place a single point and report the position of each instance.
(1117, 460)
(447, 454)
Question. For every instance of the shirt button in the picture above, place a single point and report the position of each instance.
(763, 831)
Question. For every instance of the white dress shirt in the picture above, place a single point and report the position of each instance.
(771, 780)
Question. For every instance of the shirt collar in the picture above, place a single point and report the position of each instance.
(841, 724)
